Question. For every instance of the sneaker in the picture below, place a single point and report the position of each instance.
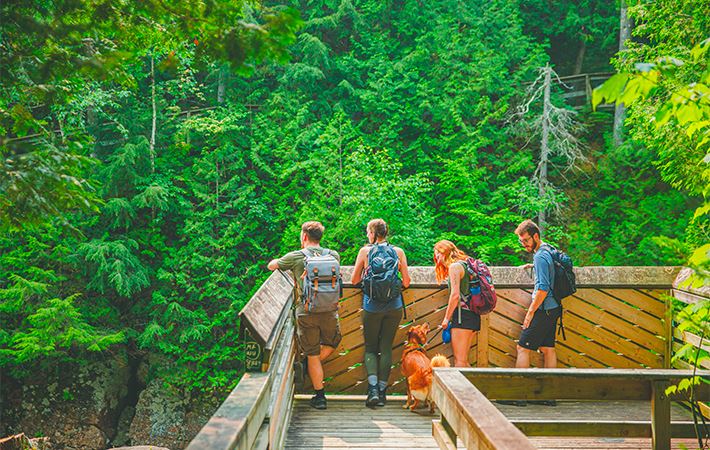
(319, 402)
(512, 402)
(373, 396)
(382, 397)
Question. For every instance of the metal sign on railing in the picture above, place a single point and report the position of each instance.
(252, 353)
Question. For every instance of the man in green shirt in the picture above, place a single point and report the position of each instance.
(318, 334)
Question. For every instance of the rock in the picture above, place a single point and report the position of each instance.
(165, 417)
(80, 437)
(76, 407)
(140, 447)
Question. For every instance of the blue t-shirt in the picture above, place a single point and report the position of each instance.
(544, 269)
(374, 307)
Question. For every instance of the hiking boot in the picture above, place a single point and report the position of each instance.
(512, 402)
(319, 402)
(373, 396)
(382, 397)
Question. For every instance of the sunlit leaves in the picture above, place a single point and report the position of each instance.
(114, 265)
(42, 183)
(57, 327)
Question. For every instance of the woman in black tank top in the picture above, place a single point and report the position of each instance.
(449, 265)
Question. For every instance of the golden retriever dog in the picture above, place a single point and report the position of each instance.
(417, 368)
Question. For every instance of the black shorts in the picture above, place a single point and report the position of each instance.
(541, 332)
(469, 320)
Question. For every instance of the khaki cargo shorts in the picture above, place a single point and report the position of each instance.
(316, 329)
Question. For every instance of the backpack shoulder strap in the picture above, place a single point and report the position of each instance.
(371, 251)
(549, 249)
(308, 253)
(392, 251)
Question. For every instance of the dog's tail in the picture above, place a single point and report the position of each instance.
(440, 361)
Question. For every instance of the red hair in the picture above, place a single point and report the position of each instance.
(451, 254)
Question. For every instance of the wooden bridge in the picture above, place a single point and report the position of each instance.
(615, 365)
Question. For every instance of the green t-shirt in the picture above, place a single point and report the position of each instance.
(295, 262)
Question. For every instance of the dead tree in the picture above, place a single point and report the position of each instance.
(557, 128)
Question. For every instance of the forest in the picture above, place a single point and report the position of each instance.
(155, 156)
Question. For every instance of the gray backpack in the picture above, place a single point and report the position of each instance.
(322, 284)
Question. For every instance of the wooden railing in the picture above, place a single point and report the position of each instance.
(619, 318)
(256, 413)
(462, 396)
(686, 293)
(577, 89)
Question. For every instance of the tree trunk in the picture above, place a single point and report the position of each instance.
(155, 119)
(620, 110)
(223, 76)
(340, 158)
(545, 143)
(580, 57)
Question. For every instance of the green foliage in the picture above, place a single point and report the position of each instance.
(114, 265)
(387, 110)
(586, 29)
(57, 327)
(694, 318)
(669, 84)
(50, 52)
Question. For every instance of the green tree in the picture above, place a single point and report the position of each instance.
(49, 50)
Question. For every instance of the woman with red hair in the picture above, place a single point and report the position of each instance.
(450, 265)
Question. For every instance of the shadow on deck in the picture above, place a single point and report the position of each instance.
(347, 423)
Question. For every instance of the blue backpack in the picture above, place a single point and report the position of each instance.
(381, 281)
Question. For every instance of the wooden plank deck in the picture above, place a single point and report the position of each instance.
(347, 423)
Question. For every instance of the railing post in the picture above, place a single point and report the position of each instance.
(668, 333)
(482, 342)
(449, 429)
(660, 416)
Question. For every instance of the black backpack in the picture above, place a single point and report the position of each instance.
(381, 281)
(565, 283)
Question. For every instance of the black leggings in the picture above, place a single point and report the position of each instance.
(379, 329)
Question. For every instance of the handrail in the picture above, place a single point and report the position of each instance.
(466, 413)
(685, 291)
(250, 421)
(256, 413)
(237, 422)
(462, 396)
(637, 277)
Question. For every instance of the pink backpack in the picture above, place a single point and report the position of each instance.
(481, 298)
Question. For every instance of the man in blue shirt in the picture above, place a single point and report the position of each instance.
(544, 311)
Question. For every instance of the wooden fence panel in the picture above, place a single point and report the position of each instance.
(617, 319)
